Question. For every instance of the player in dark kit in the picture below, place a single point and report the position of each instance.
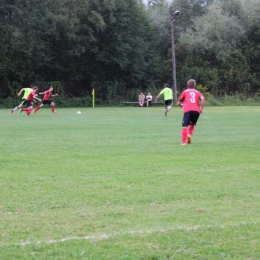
(29, 101)
(46, 100)
(192, 102)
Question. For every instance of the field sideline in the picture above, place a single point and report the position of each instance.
(115, 183)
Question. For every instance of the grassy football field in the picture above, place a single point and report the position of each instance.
(115, 183)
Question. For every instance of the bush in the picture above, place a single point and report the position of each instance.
(66, 101)
(9, 102)
(211, 101)
(114, 95)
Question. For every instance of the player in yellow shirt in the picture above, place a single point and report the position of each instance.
(26, 93)
(168, 98)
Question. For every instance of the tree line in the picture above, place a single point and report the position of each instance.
(119, 47)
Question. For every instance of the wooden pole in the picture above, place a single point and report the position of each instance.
(173, 56)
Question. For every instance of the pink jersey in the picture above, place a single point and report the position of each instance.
(191, 100)
(30, 96)
(47, 95)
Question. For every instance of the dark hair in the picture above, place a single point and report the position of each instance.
(166, 85)
(35, 87)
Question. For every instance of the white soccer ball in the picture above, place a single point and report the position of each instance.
(79, 113)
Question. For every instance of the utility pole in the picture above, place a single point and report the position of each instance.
(172, 16)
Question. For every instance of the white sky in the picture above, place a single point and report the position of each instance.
(146, 1)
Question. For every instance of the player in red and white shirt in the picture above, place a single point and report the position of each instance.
(29, 101)
(192, 101)
(47, 100)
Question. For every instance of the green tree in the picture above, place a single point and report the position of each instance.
(124, 50)
(250, 47)
(215, 35)
(190, 10)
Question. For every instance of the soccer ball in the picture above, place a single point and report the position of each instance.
(79, 113)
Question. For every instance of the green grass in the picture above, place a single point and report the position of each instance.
(115, 183)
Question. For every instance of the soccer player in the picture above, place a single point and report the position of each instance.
(192, 102)
(168, 97)
(30, 100)
(25, 95)
(46, 100)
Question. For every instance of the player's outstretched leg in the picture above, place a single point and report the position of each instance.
(188, 139)
(184, 136)
(29, 110)
(53, 108)
(190, 132)
(36, 109)
(12, 110)
(166, 111)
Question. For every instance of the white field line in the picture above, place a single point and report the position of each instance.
(116, 234)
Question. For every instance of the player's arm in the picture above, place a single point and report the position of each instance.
(34, 100)
(35, 97)
(55, 95)
(20, 92)
(42, 93)
(157, 97)
(179, 103)
(202, 103)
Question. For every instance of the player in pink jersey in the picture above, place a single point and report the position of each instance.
(192, 101)
(46, 100)
(29, 101)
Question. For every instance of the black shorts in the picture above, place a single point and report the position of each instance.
(190, 118)
(28, 103)
(46, 102)
(168, 102)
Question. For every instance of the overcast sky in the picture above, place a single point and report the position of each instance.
(146, 1)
